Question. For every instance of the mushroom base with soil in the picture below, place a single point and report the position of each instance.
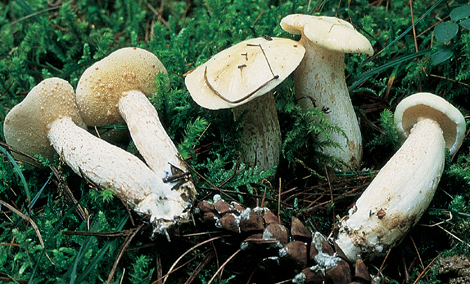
(122, 173)
(398, 196)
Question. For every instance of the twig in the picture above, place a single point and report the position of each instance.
(383, 262)
(264, 196)
(225, 191)
(413, 24)
(208, 181)
(223, 265)
(199, 268)
(177, 268)
(7, 278)
(331, 191)
(35, 227)
(65, 190)
(200, 234)
(29, 16)
(425, 269)
(448, 79)
(188, 251)
(457, 238)
(159, 16)
(128, 239)
(6, 90)
(158, 266)
(257, 18)
(27, 218)
(123, 233)
(235, 172)
(279, 203)
(417, 252)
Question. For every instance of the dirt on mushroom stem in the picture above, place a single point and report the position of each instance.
(115, 89)
(261, 133)
(419, 164)
(321, 77)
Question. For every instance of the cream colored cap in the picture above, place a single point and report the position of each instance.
(102, 84)
(427, 105)
(243, 72)
(27, 124)
(329, 32)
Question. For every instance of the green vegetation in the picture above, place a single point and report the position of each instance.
(57, 228)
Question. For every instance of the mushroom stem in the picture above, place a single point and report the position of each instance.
(122, 173)
(398, 196)
(320, 79)
(130, 178)
(260, 134)
(148, 134)
(240, 75)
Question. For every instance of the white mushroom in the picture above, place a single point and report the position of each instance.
(241, 78)
(320, 80)
(114, 90)
(48, 119)
(401, 192)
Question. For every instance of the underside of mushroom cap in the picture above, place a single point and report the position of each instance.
(427, 105)
(102, 84)
(243, 72)
(329, 32)
(27, 124)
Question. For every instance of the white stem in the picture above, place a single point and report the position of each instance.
(398, 196)
(261, 134)
(320, 76)
(114, 169)
(148, 134)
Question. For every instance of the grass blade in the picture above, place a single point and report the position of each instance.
(20, 174)
(366, 75)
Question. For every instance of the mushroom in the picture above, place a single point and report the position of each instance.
(320, 81)
(401, 192)
(48, 119)
(114, 90)
(241, 77)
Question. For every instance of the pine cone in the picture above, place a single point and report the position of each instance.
(307, 257)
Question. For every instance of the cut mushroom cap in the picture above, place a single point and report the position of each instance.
(26, 125)
(320, 80)
(243, 72)
(328, 32)
(49, 116)
(391, 206)
(426, 105)
(237, 78)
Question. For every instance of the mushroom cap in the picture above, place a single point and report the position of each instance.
(27, 124)
(105, 82)
(427, 105)
(329, 32)
(243, 72)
